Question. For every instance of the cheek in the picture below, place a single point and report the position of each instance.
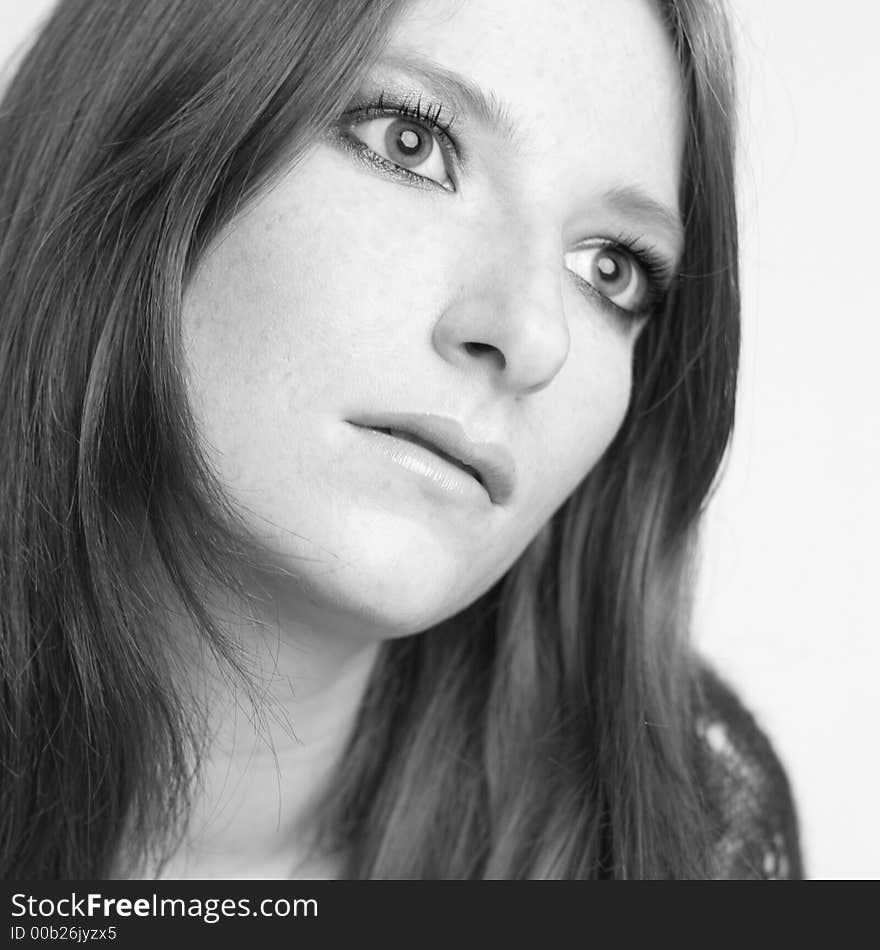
(290, 308)
(314, 279)
(578, 417)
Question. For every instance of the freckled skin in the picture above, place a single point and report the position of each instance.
(342, 291)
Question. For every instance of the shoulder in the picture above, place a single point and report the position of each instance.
(747, 790)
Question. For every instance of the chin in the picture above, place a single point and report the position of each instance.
(370, 603)
(388, 578)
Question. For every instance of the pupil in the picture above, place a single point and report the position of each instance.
(409, 141)
(608, 268)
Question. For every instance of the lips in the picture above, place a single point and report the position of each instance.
(412, 437)
(489, 463)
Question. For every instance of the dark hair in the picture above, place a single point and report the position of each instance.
(547, 730)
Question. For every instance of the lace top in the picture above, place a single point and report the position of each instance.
(749, 793)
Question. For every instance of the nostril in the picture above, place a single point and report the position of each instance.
(481, 350)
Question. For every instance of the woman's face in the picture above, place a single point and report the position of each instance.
(406, 355)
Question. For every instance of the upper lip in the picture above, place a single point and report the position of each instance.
(491, 461)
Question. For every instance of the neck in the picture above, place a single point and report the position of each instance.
(267, 762)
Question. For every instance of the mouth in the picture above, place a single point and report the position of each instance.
(489, 464)
(425, 444)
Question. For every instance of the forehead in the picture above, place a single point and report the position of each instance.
(592, 87)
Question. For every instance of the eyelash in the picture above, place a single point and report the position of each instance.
(430, 115)
(654, 265)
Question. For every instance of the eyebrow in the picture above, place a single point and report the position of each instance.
(466, 97)
(632, 202)
(457, 91)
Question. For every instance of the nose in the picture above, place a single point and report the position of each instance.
(507, 319)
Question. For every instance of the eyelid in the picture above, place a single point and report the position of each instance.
(416, 108)
(657, 271)
(633, 316)
(654, 262)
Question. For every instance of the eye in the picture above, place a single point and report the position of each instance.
(612, 271)
(407, 144)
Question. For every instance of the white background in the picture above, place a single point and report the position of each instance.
(787, 607)
(789, 604)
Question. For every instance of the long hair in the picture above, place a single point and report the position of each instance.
(545, 732)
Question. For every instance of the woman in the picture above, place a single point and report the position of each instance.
(366, 367)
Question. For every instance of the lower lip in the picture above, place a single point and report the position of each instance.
(432, 470)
